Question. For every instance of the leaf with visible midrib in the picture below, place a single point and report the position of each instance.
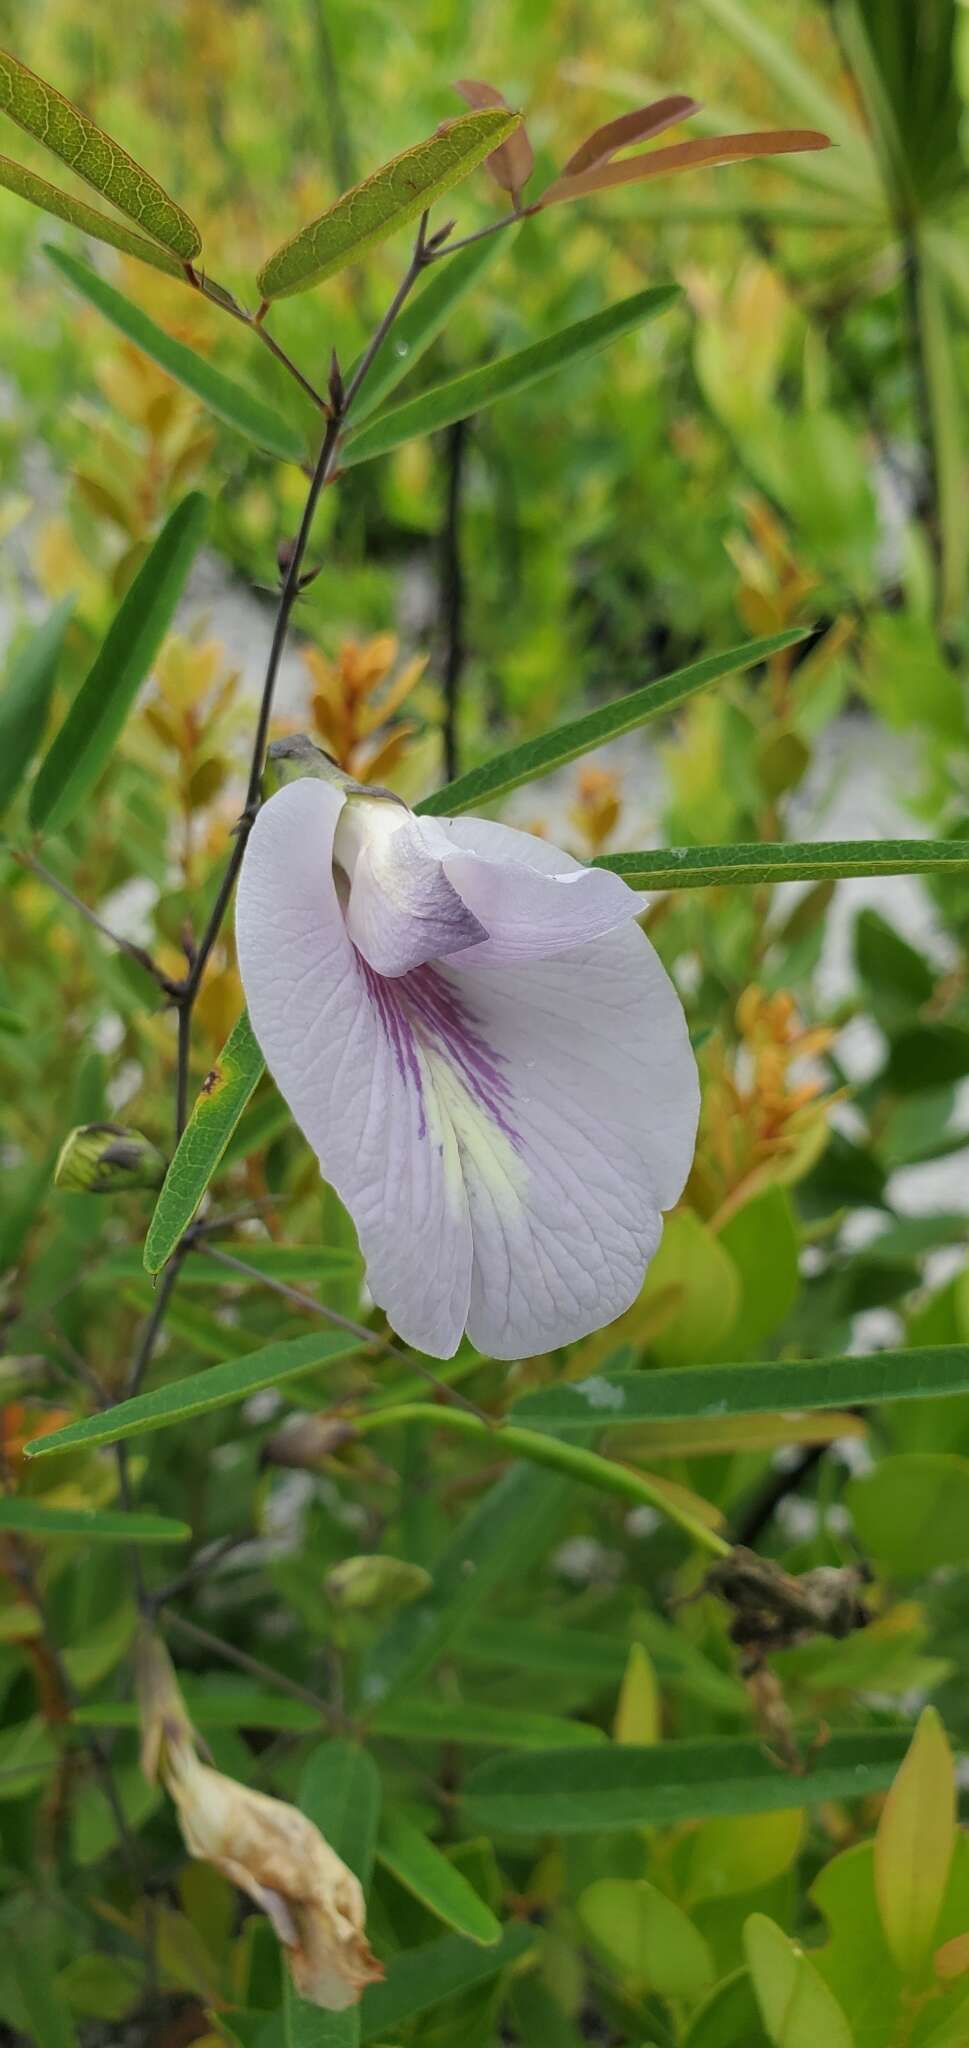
(225, 398)
(217, 1110)
(78, 214)
(220, 1386)
(422, 1870)
(750, 864)
(581, 1791)
(386, 200)
(26, 696)
(45, 1523)
(80, 750)
(550, 750)
(461, 396)
(340, 1792)
(621, 1400)
(97, 158)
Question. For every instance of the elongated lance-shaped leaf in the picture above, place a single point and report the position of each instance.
(298, 1265)
(222, 1386)
(78, 214)
(25, 697)
(620, 1400)
(681, 156)
(229, 401)
(477, 1726)
(384, 201)
(536, 757)
(704, 867)
(218, 1107)
(43, 1523)
(81, 749)
(470, 393)
(576, 1792)
(340, 1792)
(94, 156)
(423, 1871)
(419, 1978)
(421, 322)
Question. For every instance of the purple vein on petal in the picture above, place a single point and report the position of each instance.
(423, 1009)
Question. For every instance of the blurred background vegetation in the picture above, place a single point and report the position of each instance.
(787, 446)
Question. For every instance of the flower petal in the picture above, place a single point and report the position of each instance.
(531, 916)
(351, 1067)
(402, 909)
(602, 1100)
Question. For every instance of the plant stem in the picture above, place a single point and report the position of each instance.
(139, 954)
(252, 1665)
(585, 1466)
(452, 594)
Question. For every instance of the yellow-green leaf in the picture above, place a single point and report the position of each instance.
(85, 149)
(78, 214)
(646, 1937)
(798, 2009)
(423, 1871)
(218, 1107)
(638, 1706)
(384, 201)
(914, 1845)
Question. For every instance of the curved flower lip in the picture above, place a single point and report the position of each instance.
(483, 1049)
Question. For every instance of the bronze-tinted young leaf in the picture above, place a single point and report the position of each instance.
(684, 156)
(387, 200)
(638, 126)
(94, 156)
(512, 163)
(50, 199)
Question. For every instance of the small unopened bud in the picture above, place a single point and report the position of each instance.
(106, 1159)
(359, 1583)
(307, 1442)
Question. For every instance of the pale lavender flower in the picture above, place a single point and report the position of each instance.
(484, 1051)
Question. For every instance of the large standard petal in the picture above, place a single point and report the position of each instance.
(402, 909)
(602, 1100)
(351, 1066)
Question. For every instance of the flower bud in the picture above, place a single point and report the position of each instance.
(367, 1582)
(106, 1159)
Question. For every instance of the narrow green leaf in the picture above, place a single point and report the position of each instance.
(550, 750)
(299, 1265)
(229, 401)
(512, 1524)
(103, 1525)
(479, 1727)
(421, 1978)
(623, 1399)
(221, 1386)
(78, 214)
(383, 202)
(25, 697)
(702, 867)
(947, 417)
(90, 154)
(460, 396)
(616, 1788)
(798, 2008)
(81, 749)
(339, 1791)
(218, 1107)
(213, 1703)
(421, 322)
(47, 2014)
(422, 1870)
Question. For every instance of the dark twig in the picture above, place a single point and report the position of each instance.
(341, 1322)
(452, 593)
(252, 1665)
(139, 954)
